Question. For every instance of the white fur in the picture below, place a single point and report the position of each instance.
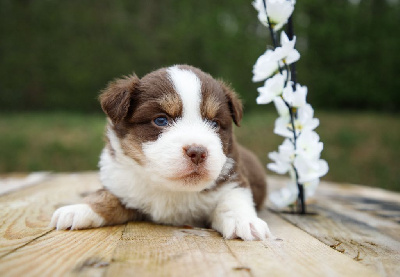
(229, 209)
(188, 86)
(167, 162)
(235, 217)
(138, 189)
(79, 216)
(158, 187)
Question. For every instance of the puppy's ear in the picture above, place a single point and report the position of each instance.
(235, 104)
(115, 99)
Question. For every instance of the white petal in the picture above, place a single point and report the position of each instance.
(272, 87)
(281, 107)
(278, 11)
(281, 127)
(279, 168)
(265, 66)
(311, 124)
(282, 162)
(292, 56)
(310, 170)
(310, 187)
(283, 197)
(284, 38)
(308, 145)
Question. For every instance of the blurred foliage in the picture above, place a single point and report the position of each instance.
(57, 55)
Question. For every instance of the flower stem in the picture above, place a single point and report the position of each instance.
(293, 65)
(270, 27)
(301, 199)
(293, 78)
(271, 31)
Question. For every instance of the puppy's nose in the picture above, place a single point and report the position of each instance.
(196, 153)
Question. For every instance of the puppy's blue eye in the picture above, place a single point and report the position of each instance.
(214, 124)
(161, 121)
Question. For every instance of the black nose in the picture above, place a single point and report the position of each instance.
(196, 153)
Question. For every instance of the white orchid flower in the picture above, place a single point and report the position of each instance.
(309, 170)
(309, 146)
(272, 88)
(285, 196)
(289, 194)
(286, 53)
(310, 188)
(296, 98)
(283, 159)
(305, 119)
(278, 12)
(265, 66)
(281, 107)
(269, 62)
(303, 122)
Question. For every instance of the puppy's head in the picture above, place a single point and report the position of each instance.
(176, 123)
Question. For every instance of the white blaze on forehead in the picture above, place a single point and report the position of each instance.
(188, 86)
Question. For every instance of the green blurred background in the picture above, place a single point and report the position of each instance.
(56, 55)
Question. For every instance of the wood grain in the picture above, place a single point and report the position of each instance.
(295, 253)
(357, 221)
(29, 248)
(155, 250)
(58, 253)
(25, 215)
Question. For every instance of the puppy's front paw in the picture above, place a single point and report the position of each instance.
(79, 216)
(246, 228)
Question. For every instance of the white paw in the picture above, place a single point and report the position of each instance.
(79, 216)
(246, 228)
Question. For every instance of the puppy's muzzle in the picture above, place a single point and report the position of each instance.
(196, 153)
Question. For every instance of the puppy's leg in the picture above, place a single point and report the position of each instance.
(235, 217)
(101, 208)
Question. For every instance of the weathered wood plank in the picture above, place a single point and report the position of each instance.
(376, 207)
(25, 214)
(144, 249)
(155, 250)
(297, 253)
(349, 219)
(60, 253)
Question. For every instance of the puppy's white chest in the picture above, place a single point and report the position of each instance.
(175, 208)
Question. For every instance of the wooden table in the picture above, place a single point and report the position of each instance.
(355, 231)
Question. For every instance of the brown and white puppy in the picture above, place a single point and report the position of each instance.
(171, 158)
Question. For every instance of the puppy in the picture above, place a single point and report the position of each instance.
(171, 158)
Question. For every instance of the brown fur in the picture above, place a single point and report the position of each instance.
(133, 104)
(235, 105)
(110, 208)
(251, 174)
(254, 172)
(115, 99)
(171, 104)
(210, 107)
(139, 102)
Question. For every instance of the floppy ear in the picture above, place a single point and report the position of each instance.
(235, 104)
(115, 99)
